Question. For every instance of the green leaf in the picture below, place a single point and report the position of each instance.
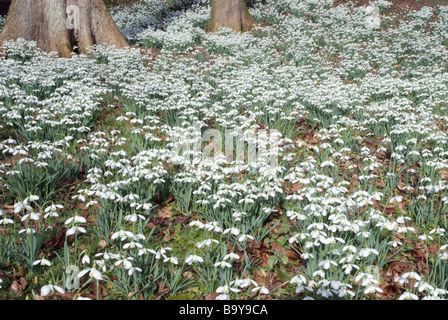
(282, 274)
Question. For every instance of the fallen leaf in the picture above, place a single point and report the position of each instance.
(212, 296)
(166, 212)
(102, 243)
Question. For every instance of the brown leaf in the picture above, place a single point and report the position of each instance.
(212, 296)
(434, 248)
(401, 207)
(102, 243)
(163, 290)
(61, 296)
(17, 287)
(166, 212)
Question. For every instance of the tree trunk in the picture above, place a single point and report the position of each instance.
(231, 14)
(60, 25)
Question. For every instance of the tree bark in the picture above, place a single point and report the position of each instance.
(232, 14)
(62, 25)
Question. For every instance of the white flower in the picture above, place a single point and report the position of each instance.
(49, 288)
(72, 230)
(365, 252)
(300, 279)
(262, 289)
(243, 283)
(32, 215)
(207, 243)
(122, 235)
(233, 231)
(231, 256)
(372, 289)
(326, 264)
(319, 273)
(85, 259)
(93, 273)
(42, 262)
(425, 237)
(223, 264)
(172, 260)
(408, 296)
(76, 219)
(194, 259)
(244, 237)
(132, 245)
(226, 289)
(412, 275)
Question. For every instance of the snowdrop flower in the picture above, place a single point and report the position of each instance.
(395, 243)
(262, 289)
(76, 219)
(233, 231)
(443, 256)
(402, 219)
(326, 264)
(365, 252)
(134, 217)
(51, 214)
(73, 230)
(412, 275)
(172, 260)
(372, 289)
(231, 256)
(53, 207)
(223, 296)
(349, 267)
(207, 243)
(126, 262)
(396, 199)
(223, 264)
(244, 237)
(42, 262)
(132, 269)
(132, 245)
(408, 296)
(161, 253)
(401, 280)
(350, 248)
(300, 279)
(85, 260)
(319, 273)
(122, 235)
(49, 288)
(198, 224)
(93, 273)
(424, 286)
(425, 237)
(32, 198)
(439, 231)
(6, 221)
(32, 215)
(194, 259)
(243, 283)
(226, 289)
(27, 231)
